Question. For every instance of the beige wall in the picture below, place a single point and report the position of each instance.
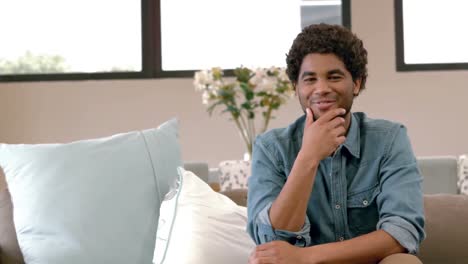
(431, 104)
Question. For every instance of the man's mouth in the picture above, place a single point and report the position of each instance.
(324, 105)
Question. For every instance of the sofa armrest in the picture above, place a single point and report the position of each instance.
(447, 233)
(239, 196)
(198, 168)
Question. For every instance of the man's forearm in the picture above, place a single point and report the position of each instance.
(369, 248)
(289, 209)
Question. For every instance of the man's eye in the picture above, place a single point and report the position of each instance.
(335, 77)
(309, 80)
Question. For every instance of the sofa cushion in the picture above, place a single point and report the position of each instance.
(9, 249)
(439, 174)
(446, 235)
(463, 174)
(91, 201)
(199, 225)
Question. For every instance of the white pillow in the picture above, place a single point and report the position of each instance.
(91, 201)
(198, 225)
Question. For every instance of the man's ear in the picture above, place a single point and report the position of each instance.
(357, 86)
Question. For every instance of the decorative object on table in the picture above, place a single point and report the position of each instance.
(250, 93)
(233, 174)
(463, 174)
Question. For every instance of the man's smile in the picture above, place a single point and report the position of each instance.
(323, 104)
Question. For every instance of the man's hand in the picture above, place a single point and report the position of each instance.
(276, 252)
(323, 136)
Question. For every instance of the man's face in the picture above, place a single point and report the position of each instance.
(324, 83)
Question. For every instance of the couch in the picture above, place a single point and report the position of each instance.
(446, 213)
(446, 210)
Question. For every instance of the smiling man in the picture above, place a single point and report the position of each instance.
(334, 186)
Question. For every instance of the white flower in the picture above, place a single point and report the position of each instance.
(206, 97)
(283, 76)
(259, 74)
(216, 85)
(203, 80)
(267, 84)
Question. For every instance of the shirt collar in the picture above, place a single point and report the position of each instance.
(353, 141)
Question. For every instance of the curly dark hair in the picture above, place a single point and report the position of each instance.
(323, 39)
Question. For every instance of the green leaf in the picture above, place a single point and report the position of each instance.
(275, 105)
(248, 93)
(233, 109)
(243, 74)
(246, 106)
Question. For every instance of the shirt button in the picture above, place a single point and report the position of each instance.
(337, 207)
(365, 202)
(341, 238)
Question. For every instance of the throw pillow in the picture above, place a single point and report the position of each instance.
(233, 174)
(198, 225)
(463, 174)
(91, 201)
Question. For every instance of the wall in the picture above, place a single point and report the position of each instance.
(431, 104)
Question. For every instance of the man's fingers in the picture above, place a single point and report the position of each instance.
(309, 116)
(337, 122)
(262, 247)
(267, 260)
(267, 246)
(340, 140)
(261, 254)
(340, 131)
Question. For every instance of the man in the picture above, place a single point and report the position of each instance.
(334, 186)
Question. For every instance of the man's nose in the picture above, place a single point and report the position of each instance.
(321, 87)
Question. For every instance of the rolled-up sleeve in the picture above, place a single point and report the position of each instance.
(400, 202)
(265, 184)
(266, 233)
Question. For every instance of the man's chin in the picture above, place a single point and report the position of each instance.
(319, 113)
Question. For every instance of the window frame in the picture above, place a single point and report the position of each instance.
(151, 53)
(401, 66)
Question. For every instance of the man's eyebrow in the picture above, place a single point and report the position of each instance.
(307, 73)
(334, 71)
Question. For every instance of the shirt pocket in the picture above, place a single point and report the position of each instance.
(363, 212)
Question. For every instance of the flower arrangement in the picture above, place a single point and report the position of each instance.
(248, 94)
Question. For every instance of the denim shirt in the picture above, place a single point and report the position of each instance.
(371, 182)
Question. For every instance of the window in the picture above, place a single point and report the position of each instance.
(431, 35)
(229, 34)
(330, 12)
(53, 37)
(111, 39)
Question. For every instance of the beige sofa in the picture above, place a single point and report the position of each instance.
(446, 211)
(446, 226)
